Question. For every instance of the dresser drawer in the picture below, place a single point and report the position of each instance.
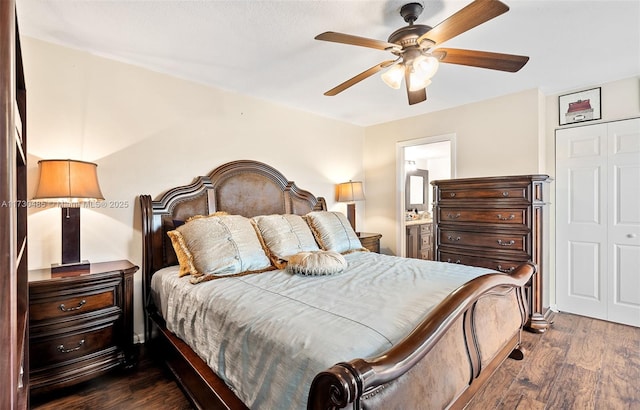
(507, 216)
(513, 193)
(68, 346)
(504, 266)
(503, 241)
(69, 305)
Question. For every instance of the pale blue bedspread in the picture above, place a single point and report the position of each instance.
(267, 335)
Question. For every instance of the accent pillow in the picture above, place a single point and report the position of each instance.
(213, 246)
(283, 236)
(333, 232)
(316, 263)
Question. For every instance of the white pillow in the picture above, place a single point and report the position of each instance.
(212, 246)
(317, 263)
(283, 236)
(333, 232)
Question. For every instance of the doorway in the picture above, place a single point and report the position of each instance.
(436, 156)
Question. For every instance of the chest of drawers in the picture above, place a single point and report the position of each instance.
(79, 325)
(496, 223)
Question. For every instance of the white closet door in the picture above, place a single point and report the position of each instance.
(624, 222)
(581, 220)
(598, 221)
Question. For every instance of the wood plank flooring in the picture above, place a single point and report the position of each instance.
(580, 363)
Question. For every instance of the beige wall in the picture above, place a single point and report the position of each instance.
(494, 137)
(148, 132)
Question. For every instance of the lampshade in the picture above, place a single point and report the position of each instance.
(393, 76)
(350, 191)
(68, 181)
(426, 66)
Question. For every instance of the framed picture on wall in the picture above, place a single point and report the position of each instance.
(580, 106)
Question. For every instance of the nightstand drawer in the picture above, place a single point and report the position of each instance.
(69, 346)
(71, 305)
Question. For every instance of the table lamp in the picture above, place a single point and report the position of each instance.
(350, 192)
(69, 183)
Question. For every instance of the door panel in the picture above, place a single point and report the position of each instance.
(624, 222)
(598, 221)
(581, 241)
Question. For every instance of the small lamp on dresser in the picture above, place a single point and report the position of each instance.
(350, 192)
(69, 184)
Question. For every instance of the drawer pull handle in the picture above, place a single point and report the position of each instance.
(453, 239)
(511, 242)
(508, 218)
(62, 349)
(503, 270)
(71, 309)
(449, 260)
(452, 194)
(505, 193)
(452, 216)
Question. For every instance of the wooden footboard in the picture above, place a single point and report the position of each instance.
(474, 339)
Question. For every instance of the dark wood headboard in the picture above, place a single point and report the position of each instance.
(245, 187)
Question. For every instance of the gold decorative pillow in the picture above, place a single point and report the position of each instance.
(315, 263)
(283, 236)
(333, 232)
(213, 246)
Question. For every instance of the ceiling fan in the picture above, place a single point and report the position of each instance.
(417, 52)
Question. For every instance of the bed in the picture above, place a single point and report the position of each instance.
(431, 353)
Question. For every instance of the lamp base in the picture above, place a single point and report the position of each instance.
(74, 268)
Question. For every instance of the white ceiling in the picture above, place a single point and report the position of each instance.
(266, 49)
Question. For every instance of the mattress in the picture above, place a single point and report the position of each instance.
(267, 335)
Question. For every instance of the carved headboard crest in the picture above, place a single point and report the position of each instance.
(243, 187)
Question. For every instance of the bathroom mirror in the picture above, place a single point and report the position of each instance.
(415, 190)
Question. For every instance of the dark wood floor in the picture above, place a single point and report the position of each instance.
(580, 363)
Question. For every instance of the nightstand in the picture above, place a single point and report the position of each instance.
(80, 324)
(370, 241)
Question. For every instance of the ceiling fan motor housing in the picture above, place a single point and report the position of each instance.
(411, 11)
(407, 36)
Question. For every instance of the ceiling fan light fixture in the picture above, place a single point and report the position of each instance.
(416, 82)
(426, 66)
(393, 76)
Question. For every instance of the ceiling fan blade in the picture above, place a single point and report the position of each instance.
(356, 41)
(356, 79)
(482, 59)
(417, 96)
(474, 14)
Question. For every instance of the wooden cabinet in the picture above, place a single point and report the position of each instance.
(370, 241)
(14, 357)
(496, 223)
(80, 324)
(420, 240)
